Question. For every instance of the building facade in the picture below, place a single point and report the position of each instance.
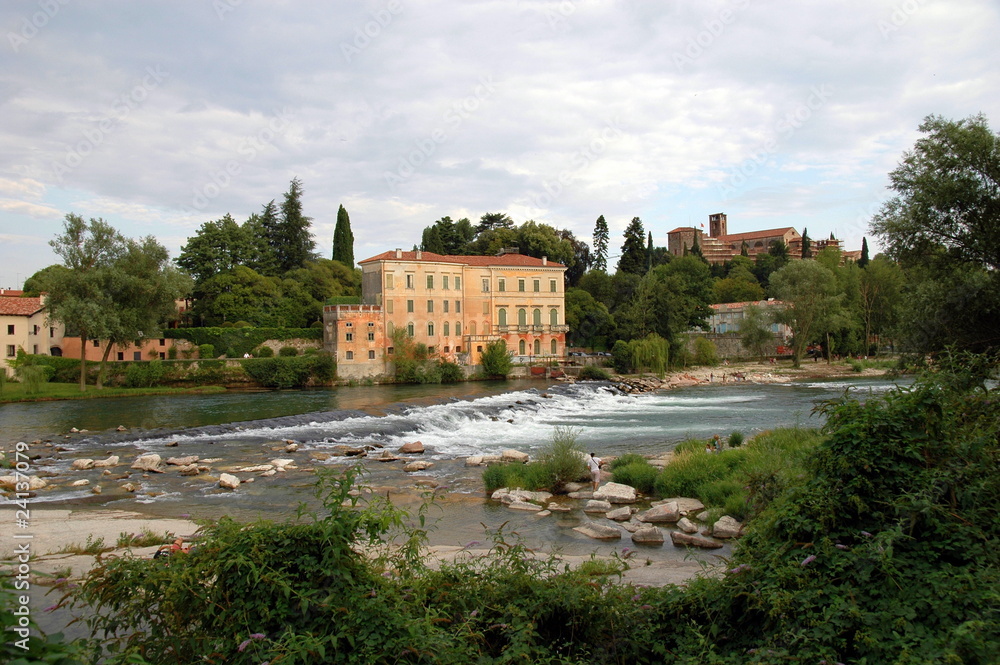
(24, 325)
(720, 246)
(455, 305)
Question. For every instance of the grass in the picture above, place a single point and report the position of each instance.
(146, 538)
(15, 392)
(92, 546)
(561, 462)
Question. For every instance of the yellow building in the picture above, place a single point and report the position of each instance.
(24, 325)
(453, 304)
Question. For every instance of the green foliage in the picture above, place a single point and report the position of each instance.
(640, 475)
(705, 352)
(633, 255)
(812, 302)
(626, 459)
(288, 352)
(23, 643)
(206, 351)
(594, 373)
(32, 377)
(650, 353)
(291, 372)
(735, 439)
(3, 380)
(145, 538)
(145, 374)
(240, 340)
(563, 457)
(451, 372)
(495, 359)
(263, 352)
(755, 330)
(689, 445)
(343, 239)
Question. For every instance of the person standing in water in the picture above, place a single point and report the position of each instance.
(595, 470)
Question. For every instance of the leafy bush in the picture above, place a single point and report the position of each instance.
(206, 350)
(295, 372)
(735, 439)
(241, 340)
(640, 475)
(144, 374)
(288, 352)
(23, 642)
(451, 372)
(594, 373)
(32, 377)
(563, 458)
(705, 352)
(690, 445)
(263, 352)
(627, 459)
(495, 360)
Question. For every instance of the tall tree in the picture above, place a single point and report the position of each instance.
(755, 330)
(633, 258)
(492, 221)
(601, 244)
(809, 291)
(343, 239)
(649, 252)
(217, 246)
(947, 195)
(863, 261)
(806, 243)
(270, 224)
(295, 244)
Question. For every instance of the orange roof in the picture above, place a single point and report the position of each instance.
(431, 257)
(12, 306)
(683, 228)
(755, 235)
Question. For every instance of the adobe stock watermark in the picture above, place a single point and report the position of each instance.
(819, 95)
(582, 158)
(248, 149)
(714, 28)
(898, 17)
(223, 7)
(121, 108)
(454, 117)
(363, 35)
(30, 25)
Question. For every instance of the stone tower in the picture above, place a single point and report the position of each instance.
(717, 225)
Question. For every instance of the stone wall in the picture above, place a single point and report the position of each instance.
(729, 346)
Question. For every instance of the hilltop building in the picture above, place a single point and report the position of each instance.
(24, 325)
(453, 304)
(720, 246)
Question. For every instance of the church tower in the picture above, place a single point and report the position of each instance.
(717, 225)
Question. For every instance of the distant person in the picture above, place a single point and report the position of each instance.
(717, 442)
(594, 463)
(708, 448)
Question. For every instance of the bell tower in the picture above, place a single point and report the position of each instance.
(717, 225)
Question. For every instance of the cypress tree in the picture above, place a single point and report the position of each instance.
(601, 244)
(633, 258)
(343, 239)
(805, 243)
(863, 261)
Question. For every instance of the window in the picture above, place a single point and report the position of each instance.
(349, 324)
(121, 355)
(371, 324)
(430, 329)
(554, 348)
(536, 285)
(458, 349)
(552, 285)
(388, 307)
(97, 344)
(458, 306)
(10, 330)
(486, 308)
(445, 307)
(536, 317)
(409, 280)
(458, 328)
(520, 285)
(11, 351)
(388, 280)
(349, 355)
(447, 349)
(371, 337)
(349, 337)
(52, 332)
(447, 329)
(501, 284)
(137, 355)
(479, 349)
(430, 281)
(430, 306)
(538, 347)
(34, 331)
(390, 328)
(371, 355)
(521, 348)
(163, 342)
(522, 317)
(486, 286)
(444, 282)
(502, 317)
(458, 282)
(163, 356)
(391, 350)
(472, 328)
(553, 317)
(409, 329)
(409, 305)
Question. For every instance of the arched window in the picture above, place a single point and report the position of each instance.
(521, 346)
(502, 317)
(538, 347)
(390, 328)
(472, 328)
(553, 317)
(458, 328)
(522, 317)
(430, 329)
(409, 329)
(447, 326)
(555, 348)
(536, 317)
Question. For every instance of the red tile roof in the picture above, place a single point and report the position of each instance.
(755, 235)
(431, 257)
(11, 306)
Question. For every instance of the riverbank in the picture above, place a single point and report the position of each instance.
(14, 393)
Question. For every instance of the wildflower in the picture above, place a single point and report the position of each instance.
(866, 534)
(840, 547)
(51, 608)
(473, 614)
(809, 559)
(243, 645)
(645, 607)
(637, 597)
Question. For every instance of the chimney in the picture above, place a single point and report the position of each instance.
(545, 260)
(420, 255)
(399, 253)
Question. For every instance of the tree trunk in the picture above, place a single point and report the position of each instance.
(104, 361)
(83, 361)
(829, 353)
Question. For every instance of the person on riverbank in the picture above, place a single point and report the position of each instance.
(594, 463)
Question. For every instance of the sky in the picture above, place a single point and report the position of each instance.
(161, 116)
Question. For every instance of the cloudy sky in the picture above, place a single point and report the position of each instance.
(159, 116)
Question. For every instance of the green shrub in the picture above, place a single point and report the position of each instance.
(640, 475)
(32, 377)
(451, 372)
(495, 360)
(288, 351)
(690, 445)
(294, 372)
(735, 439)
(705, 352)
(263, 352)
(206, 351)
(144, 374)
(495, 477)
(3, 379)
(594, 373)
(241, 340)
(627, 459)
(562, 458)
